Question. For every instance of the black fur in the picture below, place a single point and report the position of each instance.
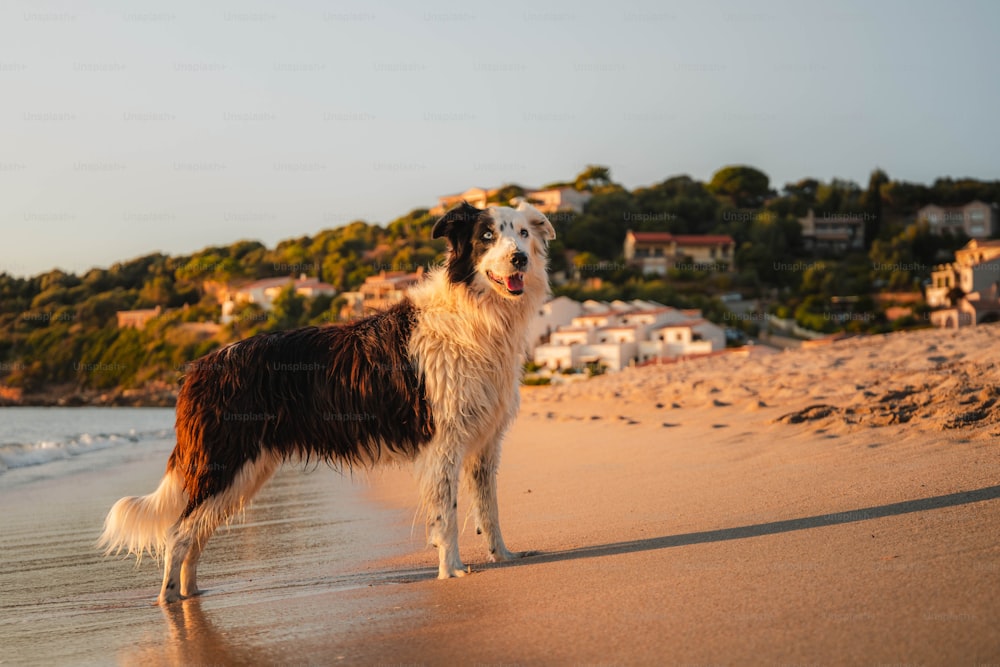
(337, 393)
(465, 226)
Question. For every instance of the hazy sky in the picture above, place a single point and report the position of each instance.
(132, 127)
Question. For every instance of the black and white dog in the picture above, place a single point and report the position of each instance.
(433, 379)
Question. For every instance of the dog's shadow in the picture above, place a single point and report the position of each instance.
(758, 530)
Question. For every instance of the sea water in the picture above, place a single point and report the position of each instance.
(44, 443)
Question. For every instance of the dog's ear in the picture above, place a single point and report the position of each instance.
(537, 220)
(460, 218)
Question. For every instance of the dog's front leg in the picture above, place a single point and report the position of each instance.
(481, 476)
(439, 491)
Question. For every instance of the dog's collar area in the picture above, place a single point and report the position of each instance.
(514, 283)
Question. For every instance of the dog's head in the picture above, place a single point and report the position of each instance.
(500, 249)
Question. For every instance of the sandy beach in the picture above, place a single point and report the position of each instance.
(829, 506)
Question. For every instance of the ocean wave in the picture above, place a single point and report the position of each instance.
(21, 455)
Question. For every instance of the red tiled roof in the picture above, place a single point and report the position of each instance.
(704, 239)
(683, 239)
(652, 237)
(680, 325)
(651, 311)
(602, 313)
(265, 283)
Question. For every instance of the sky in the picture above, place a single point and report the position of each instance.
(128, 128)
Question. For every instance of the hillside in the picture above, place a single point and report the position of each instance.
(59, 339)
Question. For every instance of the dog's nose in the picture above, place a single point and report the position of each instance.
(519, 260)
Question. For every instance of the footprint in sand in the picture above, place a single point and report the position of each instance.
(720, 404)
(669, 425)
(720, 425)
(596, 417)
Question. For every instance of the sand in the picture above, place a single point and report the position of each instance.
(829, 506)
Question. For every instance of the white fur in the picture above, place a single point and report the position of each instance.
(470, 344)
(140, 524)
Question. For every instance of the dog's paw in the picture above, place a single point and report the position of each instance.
(505, 555)
(168, 598)
(450, 572)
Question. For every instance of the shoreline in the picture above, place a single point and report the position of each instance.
(158, 395)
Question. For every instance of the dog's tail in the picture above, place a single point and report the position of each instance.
(140, 523)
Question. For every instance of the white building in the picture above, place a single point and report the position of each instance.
(620, 334)
(976, 219)
(264, 292)
(555, 200)
(682, 338)
(967, 291)
(551, 200)
(557, 312)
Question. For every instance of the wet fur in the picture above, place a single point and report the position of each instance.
(434, 380)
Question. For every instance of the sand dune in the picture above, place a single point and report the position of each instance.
(838, 505)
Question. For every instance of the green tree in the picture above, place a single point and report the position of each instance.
(505, 193)
(872, 203)
(289, 309)
(745, 186)
(593, 177)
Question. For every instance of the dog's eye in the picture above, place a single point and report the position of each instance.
(524, 233)
(487, 236)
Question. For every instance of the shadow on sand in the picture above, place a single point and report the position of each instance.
(770, 528)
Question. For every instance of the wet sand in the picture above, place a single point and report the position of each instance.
(831, 506)
(302, 563)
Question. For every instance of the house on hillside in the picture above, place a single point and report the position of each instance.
(379, 292)
(136, 319)
(620, 334)
(836, 234)
(264, 292)
(967, 291)
(548, 201)
(658, 252)
(977, 220)
(477, 197)
(557, 200)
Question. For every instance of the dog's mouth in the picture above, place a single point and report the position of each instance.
(514, 283)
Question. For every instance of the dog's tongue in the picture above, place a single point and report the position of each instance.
(515, 282)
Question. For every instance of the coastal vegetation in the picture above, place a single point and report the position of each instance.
(60, 328)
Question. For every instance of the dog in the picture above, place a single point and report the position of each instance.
(433, 379)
